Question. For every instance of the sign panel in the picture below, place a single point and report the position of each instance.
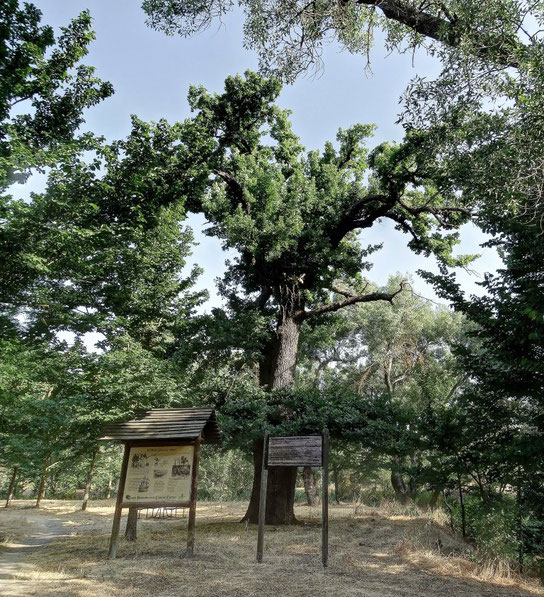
(301, 450)
(159, 474)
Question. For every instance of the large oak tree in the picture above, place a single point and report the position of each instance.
(292, 217)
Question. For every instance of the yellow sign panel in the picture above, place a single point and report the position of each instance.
(159, 474)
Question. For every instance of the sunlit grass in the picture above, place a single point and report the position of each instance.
(374, 552)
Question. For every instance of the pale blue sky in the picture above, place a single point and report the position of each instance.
(151, 74)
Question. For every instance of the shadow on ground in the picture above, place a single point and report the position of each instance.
(371, 555)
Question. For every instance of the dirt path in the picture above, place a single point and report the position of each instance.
(373, 553)
(42, 529)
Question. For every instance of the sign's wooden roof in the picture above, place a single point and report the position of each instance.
(167, 424)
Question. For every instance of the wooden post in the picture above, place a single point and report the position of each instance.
(131, 530)
(114, 541)
(262, 502)
(192, 508)
(325, 500)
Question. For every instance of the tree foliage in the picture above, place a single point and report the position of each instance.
(100, 250)
(44, 89)
(289, 36)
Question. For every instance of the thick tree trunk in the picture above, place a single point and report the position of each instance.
(277, 369)
(276, 372)
(89, 481)
(399, 486)
(252, 512)
(11, 488)
(131, 531)
(310, 487)
(280, 497)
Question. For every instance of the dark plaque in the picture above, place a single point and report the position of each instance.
(301, 450)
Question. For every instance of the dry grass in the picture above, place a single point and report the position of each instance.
(373, 553)
(13, 526)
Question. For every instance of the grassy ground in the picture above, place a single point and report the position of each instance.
(373, 553)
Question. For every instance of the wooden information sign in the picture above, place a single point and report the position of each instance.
(300, 450)
(159, 474)
(160, 462)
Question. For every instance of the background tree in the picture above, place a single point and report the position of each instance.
(502, 411)
(401, 354)
(479, 114)
(97, 251)
(132, 293)
(44, 90)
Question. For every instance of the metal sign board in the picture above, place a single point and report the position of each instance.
(300, 450)
(159, 475)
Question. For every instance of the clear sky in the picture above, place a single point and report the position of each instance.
(151, 74)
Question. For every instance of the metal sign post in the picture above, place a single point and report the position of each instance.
(301, 450)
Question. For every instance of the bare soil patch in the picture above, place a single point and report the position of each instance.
(372, 553)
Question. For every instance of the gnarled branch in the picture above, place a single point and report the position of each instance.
(353, 219)
(352, 300)
(235, 187)
(446, 30)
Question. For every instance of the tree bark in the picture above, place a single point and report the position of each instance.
(276, 372)
(11, 488)
(309, 485)
(89, 480)
(131, 530)
(449, 31)
(402, 492)
(43, 483)
(277, 369)
(280, 496)
(252, 512)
